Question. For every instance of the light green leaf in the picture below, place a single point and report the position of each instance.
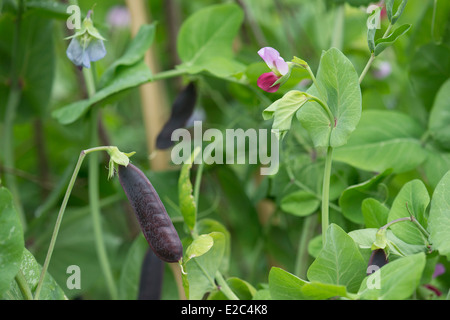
(11, 240)
(436, 165)
(300, 203)
(284, 285)
(283, 110)
(390, 7)
(439, 120)
(382, 43)
(339, 262)
(439, 219)
(383, 140)
(205, 39)
(205, 226)
(187, 204)
(320, 291)
(125, 78)
(396, 280)
(413, 194)
(201, 270)
(199, 246)
(374, 212)
(134, 53)
(339, 83)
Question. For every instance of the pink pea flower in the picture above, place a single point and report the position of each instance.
(278, 66)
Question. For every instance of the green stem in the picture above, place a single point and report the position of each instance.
(410, 218)
(326, 192)
(372, 56)
(366, 68)
(168, 74)
(94, 196)
(61, 214)
(301, 263)
(58, 223)
(23, 286)
(325, 108)
(224, 288)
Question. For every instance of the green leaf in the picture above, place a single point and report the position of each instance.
(339, 262)
(429, 69)
(201, 270)
(352, 198)
(300, 203)
(396, 280)
(284, 285)
(372, 25)
(283, 110)
(338, 81)
(134, 53)
(205, 40)
(320, 291)
(77, 232)
(199, 246)
(205, 226)
(126, 78)
(413, 194)
(131, 269)
(383, 43)
(241, 288)
(380, 143)
(439, 120)
(31, 270)
(187, 203)
(439, 219)
(390, 7)
(435, 166)
(11, 240)
(374, 212)
(35, 62)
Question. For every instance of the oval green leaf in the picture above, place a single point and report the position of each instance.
(380, 143)
(205, 40)
(339, 88)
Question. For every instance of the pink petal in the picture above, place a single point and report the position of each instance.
(281, 66)
(269, 55)
(266, 80)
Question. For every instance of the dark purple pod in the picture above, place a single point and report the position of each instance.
(151, 214)
(152, 273)
(377, 259)
(182, 110)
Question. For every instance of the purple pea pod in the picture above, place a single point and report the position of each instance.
(377, 259)
(152, 273)
(182, 110)
(151, 214)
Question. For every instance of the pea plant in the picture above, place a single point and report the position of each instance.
(120, 123)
